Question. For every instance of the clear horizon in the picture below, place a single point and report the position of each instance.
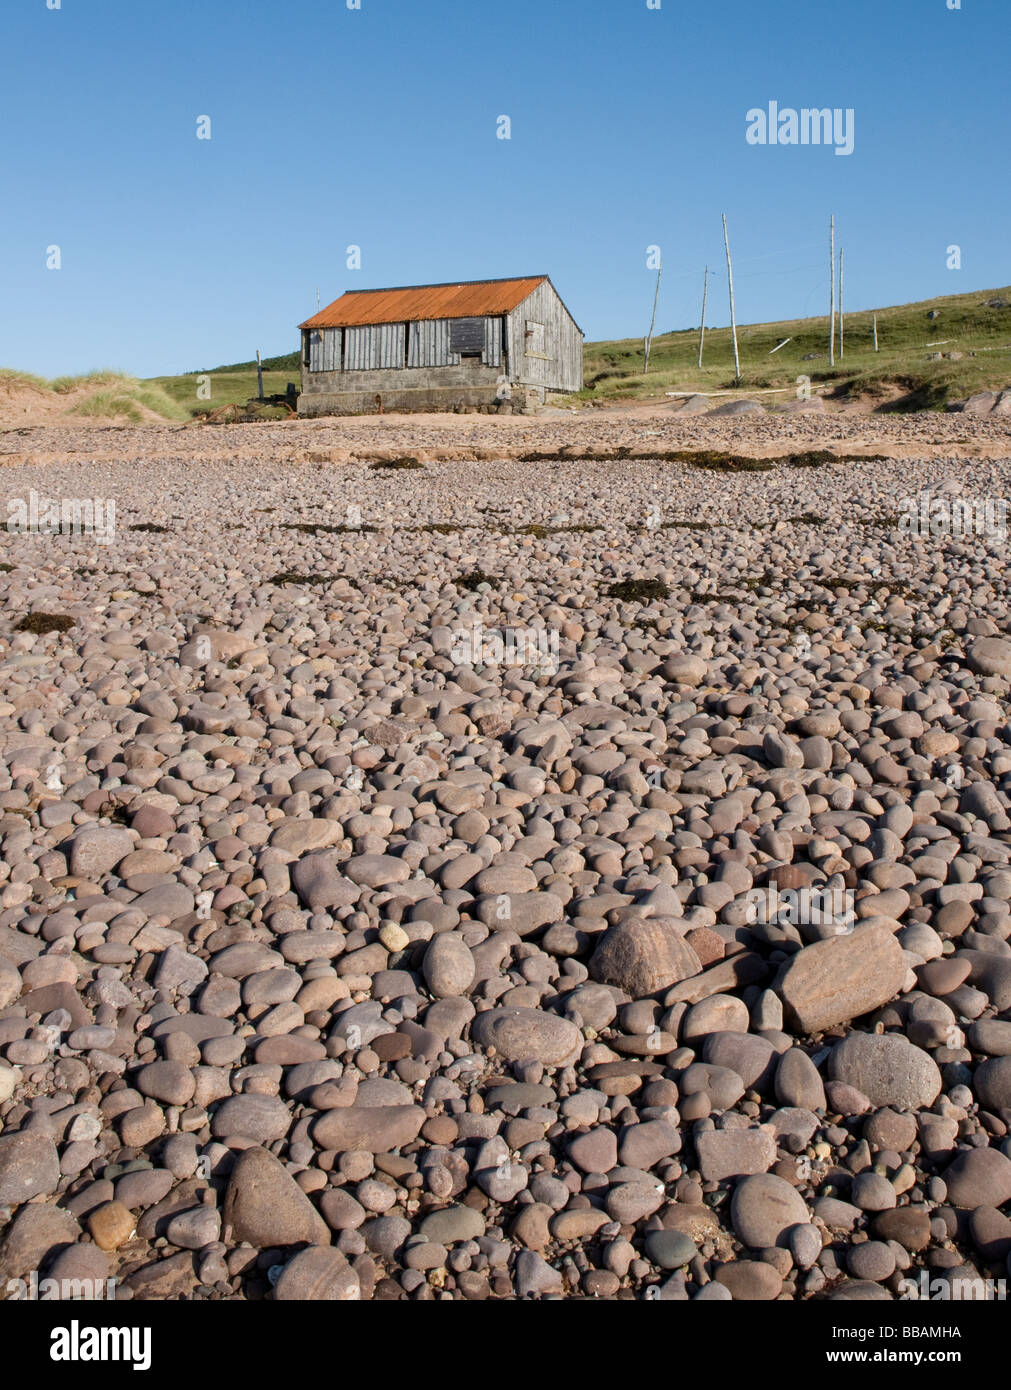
(378, 128)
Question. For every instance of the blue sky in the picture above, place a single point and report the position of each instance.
(377, 127)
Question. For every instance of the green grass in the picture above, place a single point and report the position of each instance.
(613, 370)
(118, 395)
(124, 398)
(10, 376)
(115, 394)
(227, 387)
(103, 376)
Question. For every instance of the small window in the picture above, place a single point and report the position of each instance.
(466, 336)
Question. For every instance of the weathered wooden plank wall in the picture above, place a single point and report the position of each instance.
(552, 358)
(428, 344)
(492, 355)
(373, 348)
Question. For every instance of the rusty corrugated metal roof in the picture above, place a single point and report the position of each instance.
(472, 298)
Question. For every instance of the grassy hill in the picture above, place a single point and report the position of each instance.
(287, 362)
(964, 324)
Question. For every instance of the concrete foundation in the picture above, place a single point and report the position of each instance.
(408, 399)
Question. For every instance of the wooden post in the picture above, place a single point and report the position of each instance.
(702, 329)
(259, 376)
(842, 315)
(831, 281)
(652, 322)
(730, 282)
(875, 332)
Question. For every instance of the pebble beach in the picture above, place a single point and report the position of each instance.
(476, 858)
